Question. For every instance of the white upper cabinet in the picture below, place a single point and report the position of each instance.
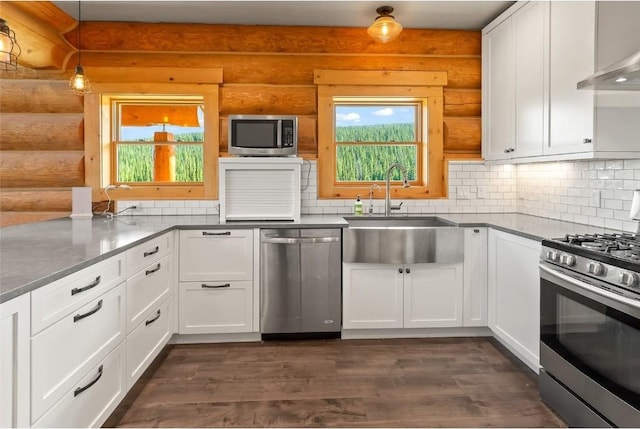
(533, 56)
(530, 79)
(514, 78)
(571, 59)
(498, 90)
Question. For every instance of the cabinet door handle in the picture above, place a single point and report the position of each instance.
(587, 140)
(407, 270)
(400, 270)
(88, 313)
(153, 252)
(91, 285)
(149, 322)
(216, 233)
(79, 390)
(206, 286)
(147, 272)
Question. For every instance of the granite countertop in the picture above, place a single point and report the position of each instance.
(35, 254)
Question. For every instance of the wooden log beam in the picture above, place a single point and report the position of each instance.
(164, 37)
(462, 134)
(39, 28)
(35, 199)
(268, 99)
(38, 96)
(25, 169)
(279, 69)
(462, 102)
(41, 131)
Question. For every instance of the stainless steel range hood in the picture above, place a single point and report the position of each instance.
(621, 76)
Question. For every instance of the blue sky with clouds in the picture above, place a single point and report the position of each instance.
(373, 115)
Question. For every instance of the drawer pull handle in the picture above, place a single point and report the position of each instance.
(153, 252)
(216, 233)
(91, 285)
(147, 272)
(149, 322)
(79, 390)
(204, 285)
(88, 313)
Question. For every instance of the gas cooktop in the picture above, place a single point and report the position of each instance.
(621, 246)
(612, 258)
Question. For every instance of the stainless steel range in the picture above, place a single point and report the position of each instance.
(590, 329)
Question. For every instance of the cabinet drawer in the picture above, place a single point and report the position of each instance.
(62, 297)
(92, 399)
(147, 340)
(148, 253)
(215, 307)
(216, 255)
(62, 354)
(146, 290)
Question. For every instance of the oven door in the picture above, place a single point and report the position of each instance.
(590, 345)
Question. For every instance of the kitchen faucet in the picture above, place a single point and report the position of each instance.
(405, 184)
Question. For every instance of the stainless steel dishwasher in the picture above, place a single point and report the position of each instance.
(300, 283)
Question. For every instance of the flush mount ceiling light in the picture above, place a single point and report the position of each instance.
(9, 48)
(385, 28)
(79, 83)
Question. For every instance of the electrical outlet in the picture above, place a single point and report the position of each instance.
(594, 200)
(483, 192)
(463, 192)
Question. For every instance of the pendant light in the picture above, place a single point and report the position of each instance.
(385, 28)
(9, 48)
(79, 83)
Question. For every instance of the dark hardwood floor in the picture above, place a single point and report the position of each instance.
(466, 382)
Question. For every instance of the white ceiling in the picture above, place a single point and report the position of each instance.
(464, 15)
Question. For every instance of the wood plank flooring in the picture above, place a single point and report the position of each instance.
(434, 382)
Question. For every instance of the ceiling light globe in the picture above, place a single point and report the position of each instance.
(384, 29)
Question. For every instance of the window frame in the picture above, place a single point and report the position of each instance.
(124, 82)
(420, 107)
(424, 86)
(117, 102)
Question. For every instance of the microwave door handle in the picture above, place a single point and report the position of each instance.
(279, 134)
(610, 299)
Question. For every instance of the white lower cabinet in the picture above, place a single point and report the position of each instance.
(62, 354)
(93, 398)
(379, 296)
(372, 296)
(15, 362)
(474, 303)
(215, 307)
(147, 340)
(514, 294)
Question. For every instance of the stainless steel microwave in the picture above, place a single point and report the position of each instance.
(263, 135)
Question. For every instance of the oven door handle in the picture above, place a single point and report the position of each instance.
(610, 299)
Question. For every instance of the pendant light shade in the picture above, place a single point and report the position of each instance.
(79, 83)
(9, 48)
(385, 28)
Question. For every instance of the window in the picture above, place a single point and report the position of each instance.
(368, 120)
(157, 140)
(155, 129)
(371, 135)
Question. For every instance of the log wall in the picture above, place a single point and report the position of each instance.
(265, 70)
(41, 148)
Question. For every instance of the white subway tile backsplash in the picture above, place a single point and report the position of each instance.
(596, 192)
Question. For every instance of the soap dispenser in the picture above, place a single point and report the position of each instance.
(357, 206)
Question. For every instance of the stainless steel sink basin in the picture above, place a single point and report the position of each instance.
(396, 222)
(402, 240)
